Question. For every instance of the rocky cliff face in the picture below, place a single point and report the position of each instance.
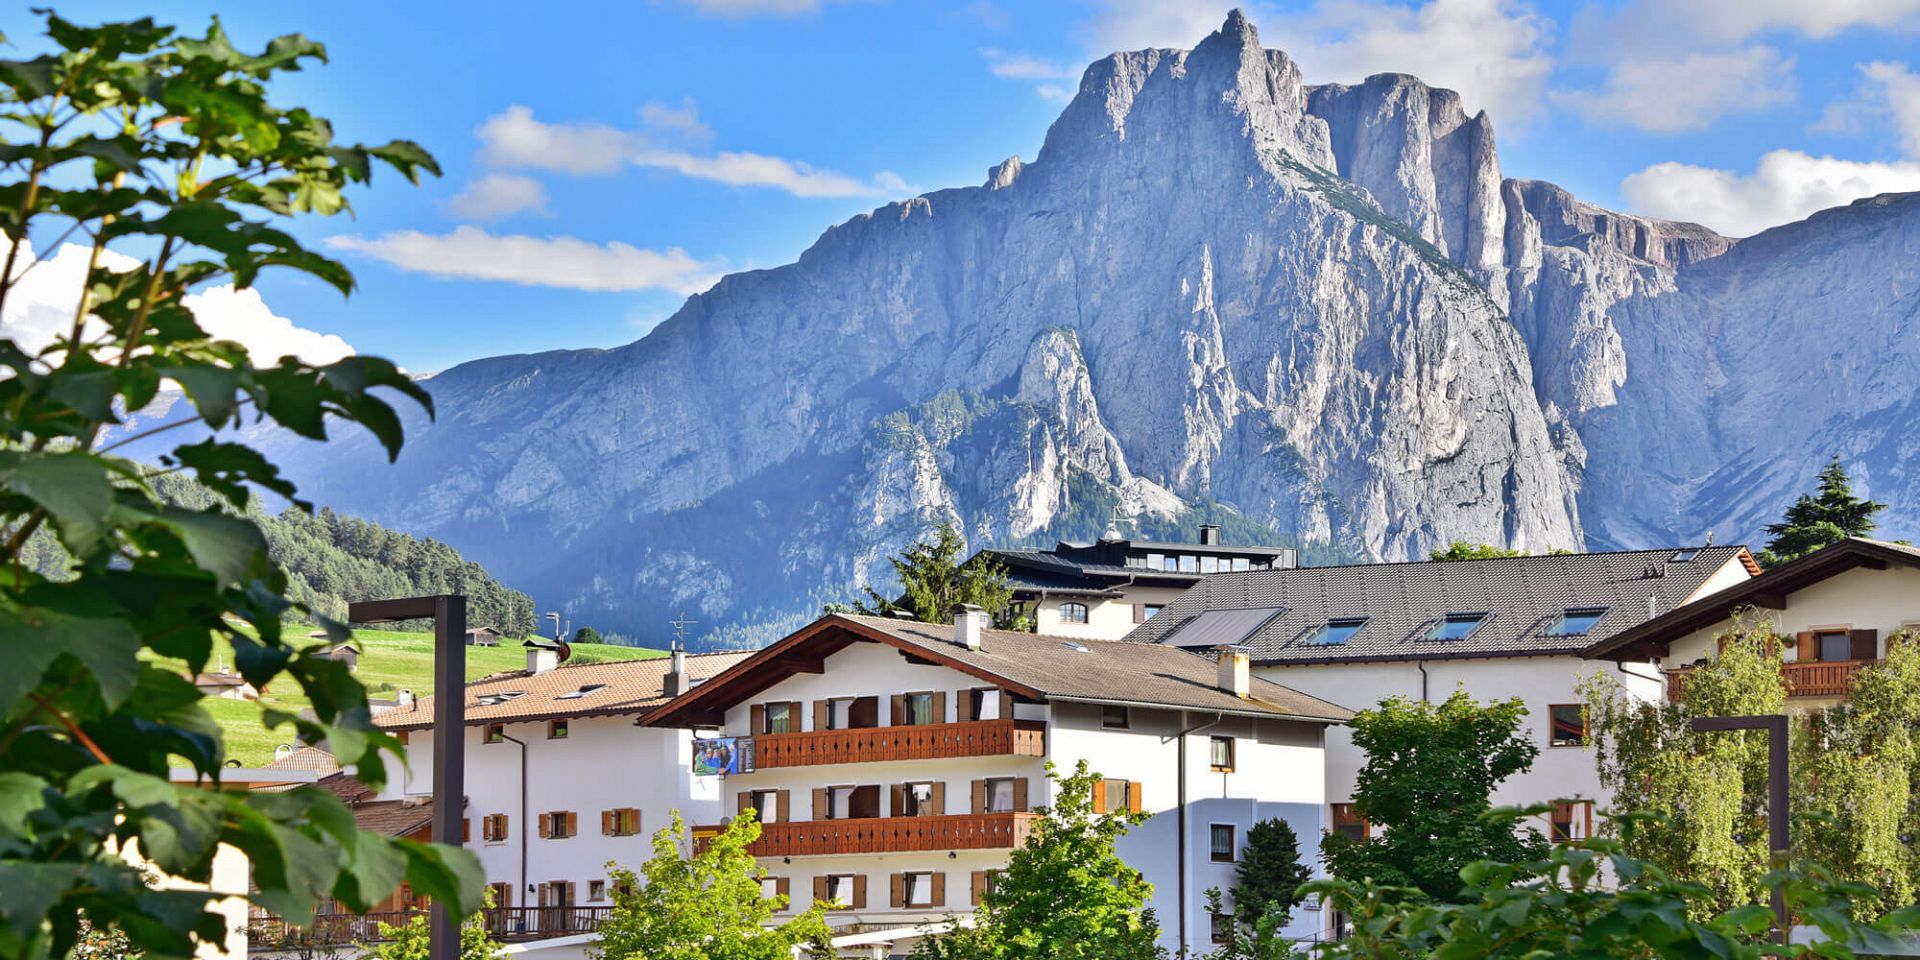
(1320, 313)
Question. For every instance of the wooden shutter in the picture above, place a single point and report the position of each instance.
(1020, 795)
(1100, 796)
(573, 829)
(963, 709)
(606, 823)
(746, 802)
(979, 796)
(979, 885)
(1133, 795)
(794, 708)
(899, 704)
(572, 896)
(1809, 645)
(939, 889)
(783, 806)
(820, 889)
(783, 886)
(505, 826)
(822, 804)
(757, 719)
(898, 897)
(939, 706)
(1863, 644)
(466, 829)
(820, 714)
(859, 892)
(546, 825)
(939, 798)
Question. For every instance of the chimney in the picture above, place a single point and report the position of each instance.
(404, 700)
(1653, 605)
(541, 659)
(1210, 534)
(677, 673)
(1235, 671)
(968, 621)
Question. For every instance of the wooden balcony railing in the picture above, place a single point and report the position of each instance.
(970, 831)
(507, 924)
(933, 741)
(1830, 678)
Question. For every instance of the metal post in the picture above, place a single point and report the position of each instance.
(1779, 834)
(449, 615)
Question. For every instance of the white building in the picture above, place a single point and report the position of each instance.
(1103, 590)
(896, 764)
(1496, 628)
(1836, 609)
(560, 779)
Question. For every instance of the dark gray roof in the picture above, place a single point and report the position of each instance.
(1523, 597)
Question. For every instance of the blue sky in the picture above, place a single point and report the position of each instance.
(603, 161)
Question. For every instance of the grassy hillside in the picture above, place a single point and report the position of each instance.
(390, 661)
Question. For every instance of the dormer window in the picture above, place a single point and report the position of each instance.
(1335, 632)
(1457, 626)
(1576, 621)
(1684, 556)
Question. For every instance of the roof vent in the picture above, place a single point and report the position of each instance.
(1070, 645)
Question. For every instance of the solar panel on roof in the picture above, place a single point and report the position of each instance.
(1216, 628)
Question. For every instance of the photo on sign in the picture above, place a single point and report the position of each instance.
(722, 755)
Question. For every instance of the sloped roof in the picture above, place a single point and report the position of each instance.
(306, 758)
(1035, 666)
(393, 818)
(626, 687)
(1769, 589)
(1522, 596)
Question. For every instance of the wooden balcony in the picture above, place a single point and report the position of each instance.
(1831, 678)
(813, 838)
(507, 924)
(933, 741)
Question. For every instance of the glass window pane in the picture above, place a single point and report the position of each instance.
(919, 708)
(1000, 796)
(1222, 842)
(1576, 621)
(1209, 565)
(1241, 564)
(1457, 626)
(1116, 794)
(1569, 724)
(1189, 564)
(1835, 646)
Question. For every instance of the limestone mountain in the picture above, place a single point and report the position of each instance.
(1319, 314)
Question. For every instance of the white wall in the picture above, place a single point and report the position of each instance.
(1107, 619)
(1884, 600)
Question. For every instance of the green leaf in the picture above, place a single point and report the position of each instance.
(72, 488)
(107, 646)
(21, 795)
(28, 890)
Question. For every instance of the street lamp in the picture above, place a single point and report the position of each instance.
(449, 615)
(1778, 835)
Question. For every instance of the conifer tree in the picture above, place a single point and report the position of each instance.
(1830, 515)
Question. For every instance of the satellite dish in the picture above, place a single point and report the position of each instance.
(283, 751)
(566, 649)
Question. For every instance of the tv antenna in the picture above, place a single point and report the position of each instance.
(680, 625)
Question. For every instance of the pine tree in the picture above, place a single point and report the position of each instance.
(933, 580)
(1267, 883)
(1815, 520)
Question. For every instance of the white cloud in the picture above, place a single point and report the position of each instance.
(499, 195)
(1688, 92)
(472, 253)
(1054, 92)
(1025, 66)
(1666, 24)
(514, 138)
(1786, 186)
(1899, 88)
(40, 308)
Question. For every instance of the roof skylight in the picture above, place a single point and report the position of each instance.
(1335, 632)
(1684, 556)
(1457, 626)
(583, 691)
(496, 699)
(1575, 621)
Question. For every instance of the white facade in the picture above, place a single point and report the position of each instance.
(1105, 617)
(1884, 601)
(1278, 771)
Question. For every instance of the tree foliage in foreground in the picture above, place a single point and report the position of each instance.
(1425, 787)
(1066, 894)
(413, 940)
(1462, 550)
(707, 905)
(166, 151)
(1828, 515)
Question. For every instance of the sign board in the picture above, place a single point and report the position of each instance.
(720, 756)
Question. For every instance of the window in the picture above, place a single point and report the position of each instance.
(623, 822)
(1170, 563)
(1071, 612)
(918, 890)
(1114, 795)
(1683, 556)
(1189, 564)
(1242, 564)
(1221, 837)
(493, 828)
(840, 888)
(983, 703)
(1567, 725)
(495, 733)
(1209, 564)
(999, 795)
(770, 887)
(780, 718)
(1156, 561)
(1575, 621)
(840, 714)
(1220, 754)
(1348, 823)
(916, 800)
(558, 825)
(1335, 632)
(839, 804)
(1142, 612)
(765, 804)
(1115, 718)
(1457, 626)
(623, 888)
(1571, 820)
(556, 729)
(596, 889)
(919, 709)
(1220, 928)
(585, 689)
(1835, 645)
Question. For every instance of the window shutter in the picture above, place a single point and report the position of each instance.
(1100, 796)
(505, 822)
(466, 829)
(783, 806)
(793, 715)
(573, 828)
(939, 798)
(1133, 796)
(572, 897)
(899, 807)
(546, 825)
(1864, 644)
(606, 823)
(820, 889)
(1139, 613)
(859, 892)
(898, 702)
(1020, 795)
(746, 802)
(979, 885)
(757, 719)
(939, 706)
(783, 886)
(1809, 645)
(939, 889)
(979, 796)
(820, 715)
(963, 706)
(898, 896)
(822, 804)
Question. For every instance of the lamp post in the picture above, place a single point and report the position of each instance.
(1778, 835)
(449, 615)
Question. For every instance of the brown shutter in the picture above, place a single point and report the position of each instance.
(1139, 613)
(746, 802)
(821, 804)
(606, 823)
(820, 715)
(898, 897)
(1100, 796)
(939, 889)
(546, 825)
(757, 719)
(939, 798)
(1864, 644)
(939, 706)
(505, 826)
(820, 889)
(859, 892)
(794, 714)
(1020, 795)
(899, 806)
(1133, 796)
(979, 885)
(899, 704)
(1809, 645)
(964, 709)
(573, 827)
(979, 796)
(466, 829)
(783, 886)
(783, 803)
